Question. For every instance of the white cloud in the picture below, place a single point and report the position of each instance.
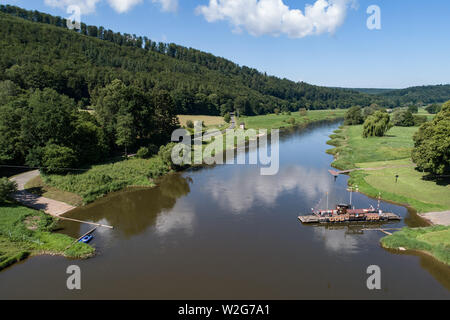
(167, 5)
(180, 217)
(86, 6)
(122, 6)
(273, 17)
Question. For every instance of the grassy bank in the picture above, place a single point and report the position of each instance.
(274, 121)
(390, 156)
(102, 179)
(434, 240)
(25, 232)
(39, 187)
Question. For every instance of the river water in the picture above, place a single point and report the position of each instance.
(226, 232)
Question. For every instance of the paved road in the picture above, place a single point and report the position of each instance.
(50, 206)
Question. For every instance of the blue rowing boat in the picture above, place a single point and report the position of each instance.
(86, 239)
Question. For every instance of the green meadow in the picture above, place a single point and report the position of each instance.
(25, 232)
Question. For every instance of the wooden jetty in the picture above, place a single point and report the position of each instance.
(337, 173)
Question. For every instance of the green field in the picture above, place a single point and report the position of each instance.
(353, 148)
(273, 121)
(435, 240)
(392, 154)
(25, 232)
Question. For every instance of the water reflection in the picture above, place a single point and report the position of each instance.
(134, 211)
(242, 190)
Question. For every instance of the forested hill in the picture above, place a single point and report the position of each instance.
(419, 95)
(37, 51)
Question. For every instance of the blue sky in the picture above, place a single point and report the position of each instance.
(412, 47)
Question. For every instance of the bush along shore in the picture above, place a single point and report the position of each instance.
(26, 232)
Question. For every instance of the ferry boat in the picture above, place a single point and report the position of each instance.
(345, 213)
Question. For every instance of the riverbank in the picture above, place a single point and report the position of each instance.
(433, 240)
(26, 232)
(392, 155)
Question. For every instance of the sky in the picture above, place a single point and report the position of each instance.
(322, 42)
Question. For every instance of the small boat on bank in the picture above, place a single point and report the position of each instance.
(86, 238)
(345, 213)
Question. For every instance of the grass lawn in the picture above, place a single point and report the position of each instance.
(25, 232)
(37, 186)
(102, 179)
(273, 121)
(353, 148)
(434, 240)
(353, 151)
(411, 189)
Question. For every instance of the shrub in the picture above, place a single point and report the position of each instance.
(291, 121)
(57, 159)
(433, 109)
(190, 124)
(143, 153)
(227, 118)
(303, 112)
(403, 118)
(6, 188)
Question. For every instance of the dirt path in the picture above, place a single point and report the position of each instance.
(50, 206)
(442, 218)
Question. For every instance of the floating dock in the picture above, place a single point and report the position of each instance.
(343, 218)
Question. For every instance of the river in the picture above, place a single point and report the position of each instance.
(226, 232)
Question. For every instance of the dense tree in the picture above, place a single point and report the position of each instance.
(402, 118)
(434, 108)
(58, 159)
(413, 108)
(12, 149)
(125, 135)
(376, 125)
(370, 110)
(431, 150)
(353, 116)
